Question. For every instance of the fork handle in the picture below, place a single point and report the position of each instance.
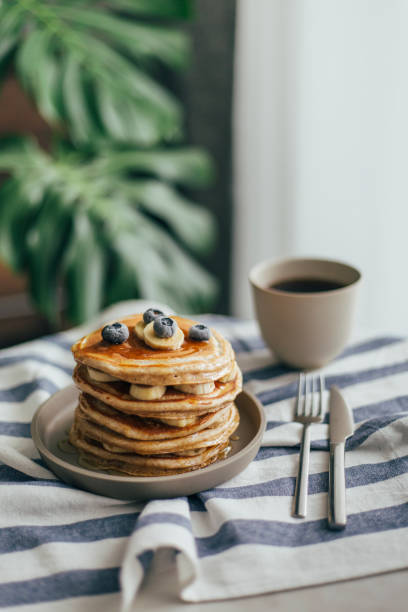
(302, 480)
(337, 487)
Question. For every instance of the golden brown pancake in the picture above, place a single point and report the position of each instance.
(171, 432)
(116, 394)
(139, 465)
(137, 428)
(203, 438)
(135, 362)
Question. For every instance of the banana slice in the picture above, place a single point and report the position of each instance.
(229, 375)
(147, 392)
(99, 376)
(153, 340)
(139, 329)
(192, 452)
(113, 449)
(197, 389)
(180, 422)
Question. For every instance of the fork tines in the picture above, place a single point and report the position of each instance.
(309, 405)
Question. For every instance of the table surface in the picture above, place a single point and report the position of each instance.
(160, 592)
(374, 593)
(379, 593)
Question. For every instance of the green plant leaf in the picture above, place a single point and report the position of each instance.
(38, 71)
(146, 269)
(122, 282)
(12, 207)
(45, 244)
(27, 57)
(106, 223)
(190, 286)
(181, 9)
(66, 220)
(188, 166)
(74, 99)
(193, 224)
(110, 115)
(121, 120)
(125, 79)
(16, 213)
(84, 265)
(10, 20)
(71, 54)
(163, 271)
(7, 45)
(140, 40)
(14, 152)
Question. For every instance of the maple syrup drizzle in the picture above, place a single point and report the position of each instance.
(134, 348)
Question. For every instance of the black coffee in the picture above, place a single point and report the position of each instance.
(305, 285)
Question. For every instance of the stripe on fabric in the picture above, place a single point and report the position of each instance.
(62, 585)
(276, 533)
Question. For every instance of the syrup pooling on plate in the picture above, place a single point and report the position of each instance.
(166, 410)
(66, 447)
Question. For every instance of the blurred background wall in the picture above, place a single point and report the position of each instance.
(321, 137)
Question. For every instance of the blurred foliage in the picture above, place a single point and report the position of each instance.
(104, 214)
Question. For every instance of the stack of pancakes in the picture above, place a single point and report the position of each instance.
(152, 412)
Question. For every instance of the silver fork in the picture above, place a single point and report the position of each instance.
(309, 409)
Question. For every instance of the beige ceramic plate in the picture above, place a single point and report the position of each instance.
(50, 428)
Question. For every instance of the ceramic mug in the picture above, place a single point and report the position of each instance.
(305, 329)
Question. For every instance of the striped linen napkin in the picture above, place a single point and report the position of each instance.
(66, 549)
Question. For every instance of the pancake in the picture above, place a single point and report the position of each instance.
(210, 436)
(135, 362)
(173, 402)
(137, 428)
(138, 465)
(148, 411)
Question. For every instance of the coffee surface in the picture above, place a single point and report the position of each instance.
(305, 285)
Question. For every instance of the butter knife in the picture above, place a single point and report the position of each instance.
(341, 427)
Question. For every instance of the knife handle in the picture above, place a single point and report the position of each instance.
(337, 488)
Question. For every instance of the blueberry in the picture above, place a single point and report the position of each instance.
(115, 333)
(150, 314)
(199, 332)
(165, 327)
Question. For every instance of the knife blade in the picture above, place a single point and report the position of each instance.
(341, 427)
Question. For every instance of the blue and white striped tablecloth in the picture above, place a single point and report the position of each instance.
(66, 549)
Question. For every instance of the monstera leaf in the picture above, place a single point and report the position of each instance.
(87, 67)
(105, 227)
(105, 215)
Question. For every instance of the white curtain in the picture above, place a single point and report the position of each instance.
(321, 144)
